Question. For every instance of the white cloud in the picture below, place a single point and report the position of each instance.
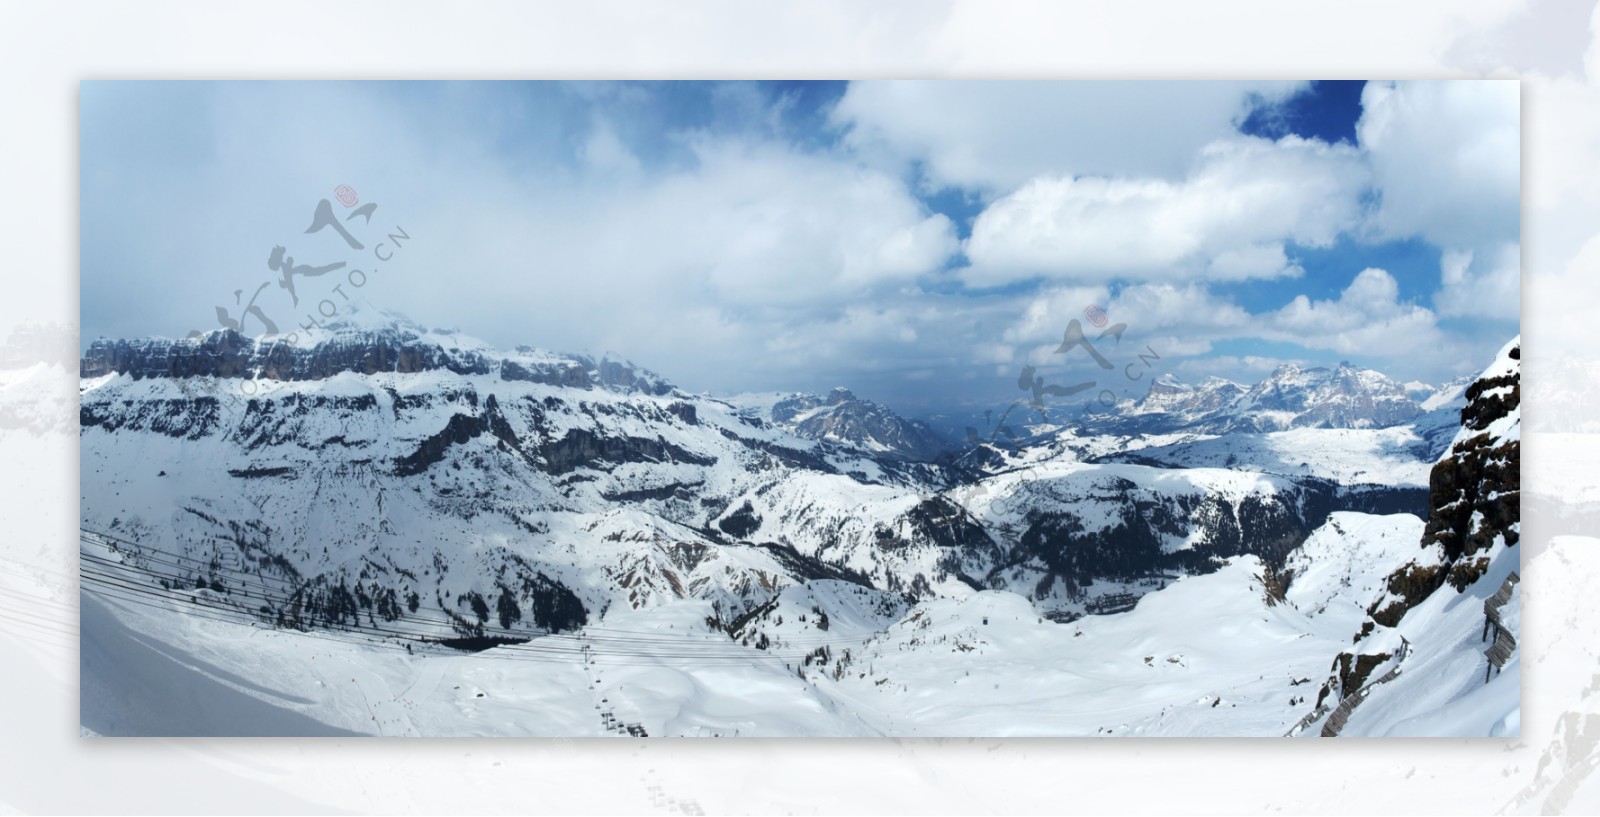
(995, 136)
(1366, 319)
(605, 152)
(998, 353)
(1190, 308)
(1227, 219)
(740, 258)
(1446, 157)
(1562, 177)
(1044, 316)
(775, 228)
(1481, 284)
(1185, 322)
(1179, 346)
(1253, 261)
(727, 259)
(1564, 301)
(757, 266)
(1175, 320)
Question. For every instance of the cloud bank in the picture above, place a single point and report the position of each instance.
(916, 241)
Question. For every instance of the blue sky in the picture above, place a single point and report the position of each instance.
(919, 242)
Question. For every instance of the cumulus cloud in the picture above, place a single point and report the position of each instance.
(1266, 260)
(1367, 318)
(741, 252)
(1169, 320)
(776, 228)
(720, 255)
(1184, 323)
(1485, 283)
(1228, 219)
(605, 152)
(1446, 159)
(792, 265)
(1044, 316)
(995, 136)
(1193, 310)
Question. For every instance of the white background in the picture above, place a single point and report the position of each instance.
(46, 49)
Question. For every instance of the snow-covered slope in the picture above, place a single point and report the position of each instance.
(1421, 660)
(1445, 688)
(391, 471)
(1396, 456)
(633, 557)
(1343, 567)
(859, 664)
(395, 471)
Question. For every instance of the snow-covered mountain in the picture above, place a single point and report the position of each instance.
(1449, 393)
(388, 467)
(1182, 403)
(1474, 492)
(343, 465)
(842, 418)
(1293, 396)
(1435, 607)
(1342, 397)
(388, 479)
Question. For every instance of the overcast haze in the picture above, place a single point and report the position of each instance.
(918, 242)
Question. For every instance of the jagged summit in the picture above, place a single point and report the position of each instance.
(1474, 491)
(1292, 396)
(842, 417)
(1188, 403)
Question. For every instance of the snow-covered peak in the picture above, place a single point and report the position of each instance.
(1507, 362)
(842, 418)
(1474, 494)
(1494, 406)
(1168, 395)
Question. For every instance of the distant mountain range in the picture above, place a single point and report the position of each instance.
(349, 457)
(1293, 396)
(388, 478)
